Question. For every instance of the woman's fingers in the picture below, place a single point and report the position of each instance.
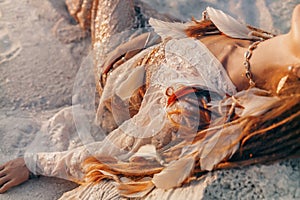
(2, 172)
(7, 186)
(4, 180)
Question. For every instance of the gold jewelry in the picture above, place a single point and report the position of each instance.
(290, 68)
(123, 59)
(246, 63)
(295, 70)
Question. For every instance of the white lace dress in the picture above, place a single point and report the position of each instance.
(70, 137)
(187, 63)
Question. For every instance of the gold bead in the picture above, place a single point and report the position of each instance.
(247, 65)
(247, 55)
(248, 74)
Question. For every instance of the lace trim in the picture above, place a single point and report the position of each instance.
(189, 62)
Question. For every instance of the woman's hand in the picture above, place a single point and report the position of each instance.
(134, 45)
(13, 173)
(128, 49)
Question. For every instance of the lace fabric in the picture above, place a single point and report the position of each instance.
(64, 143)
(187, 62)
(69, 138)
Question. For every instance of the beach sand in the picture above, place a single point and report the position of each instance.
(37, 71)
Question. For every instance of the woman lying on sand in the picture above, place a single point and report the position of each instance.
(175, 102)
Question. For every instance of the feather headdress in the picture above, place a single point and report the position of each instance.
(223, 22)
(175, 30)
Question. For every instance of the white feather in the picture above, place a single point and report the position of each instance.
(147, 151)
(212, 152)
(132, 83)
(281, 83)
(173, 30)
(174, 175)
(255, 101)
(228, 25)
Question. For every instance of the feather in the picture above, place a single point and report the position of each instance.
(134, 189)
(148, 152)
(132, 83)
(281, 83)
(220, 146)
(255, 101)
(174, 30)
(228, 25)
(175, 174)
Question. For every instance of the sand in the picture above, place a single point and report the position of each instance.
(37, 71)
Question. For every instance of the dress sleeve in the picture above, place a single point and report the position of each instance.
(62, 149)
(120, 144)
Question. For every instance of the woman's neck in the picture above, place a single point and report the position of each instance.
(268, 63)
(230, 53)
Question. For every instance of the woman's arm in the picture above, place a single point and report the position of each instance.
(129, 49)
